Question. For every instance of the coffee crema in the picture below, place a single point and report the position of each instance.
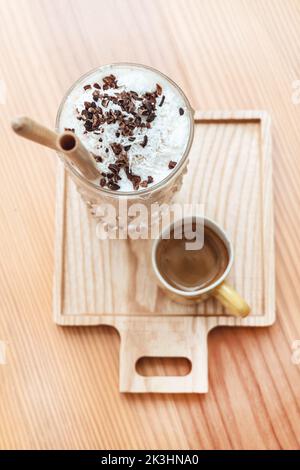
(192, 270)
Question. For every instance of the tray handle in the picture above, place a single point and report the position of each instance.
(180, 337)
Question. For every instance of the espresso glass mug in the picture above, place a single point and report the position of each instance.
(219, 288)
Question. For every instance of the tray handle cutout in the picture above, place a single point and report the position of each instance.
(148, 366)
(184, 338)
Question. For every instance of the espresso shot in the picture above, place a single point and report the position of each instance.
(191, 270)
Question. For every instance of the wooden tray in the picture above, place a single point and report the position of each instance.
(111, 282)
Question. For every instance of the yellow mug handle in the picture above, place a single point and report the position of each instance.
(229, 297)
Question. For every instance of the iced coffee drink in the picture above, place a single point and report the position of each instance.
(137, 124)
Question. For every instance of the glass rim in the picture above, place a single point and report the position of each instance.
(161, 183)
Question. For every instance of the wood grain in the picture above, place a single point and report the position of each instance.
(228, 54)
(229, 175)
(108, 282)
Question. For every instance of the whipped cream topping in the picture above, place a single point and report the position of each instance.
(133, 120)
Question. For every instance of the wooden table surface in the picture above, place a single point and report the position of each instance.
(226, 54)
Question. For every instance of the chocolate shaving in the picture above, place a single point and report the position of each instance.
(158, 89)
(68, 129)
(151, 117)
(113, 186)
(96, 121)
(135, 179)
(172, 165)
(131, 111)
(110, 82)
(117, 148)
(181, 111)
(145, 141)
(87, 87)
(96, 95)
(114, 168)
(162, 100)
(134, 95)
(88, 126)
(122, 160)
